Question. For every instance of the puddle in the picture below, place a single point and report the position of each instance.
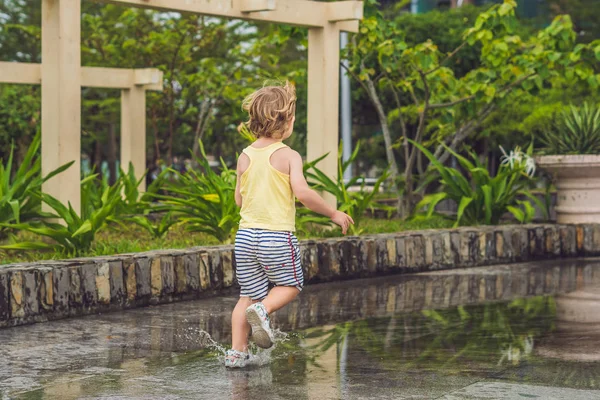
(503, 331)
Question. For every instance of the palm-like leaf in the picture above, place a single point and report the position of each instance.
(576, 131)
(481, 198)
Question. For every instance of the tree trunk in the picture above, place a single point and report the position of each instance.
(156, 136)
(97, 162)
(203, 118)
(385, 129)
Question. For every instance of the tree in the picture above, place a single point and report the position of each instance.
(448, 109)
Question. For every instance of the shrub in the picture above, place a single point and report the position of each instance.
(75, 234)
(18, 204)
(576, 131)
(354, 203)
(481, 198)
(203, 201)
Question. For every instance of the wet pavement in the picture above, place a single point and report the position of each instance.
(504, 332)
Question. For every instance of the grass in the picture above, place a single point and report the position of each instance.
(133, 239)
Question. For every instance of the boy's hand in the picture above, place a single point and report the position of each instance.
(343, 220)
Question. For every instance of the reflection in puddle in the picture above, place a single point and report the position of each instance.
(418, 336)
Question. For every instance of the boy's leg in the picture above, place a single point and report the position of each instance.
(279, 297)
(240, 329)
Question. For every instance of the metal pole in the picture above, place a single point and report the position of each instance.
(346, 109)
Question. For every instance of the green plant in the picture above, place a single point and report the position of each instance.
(204, 201)
(157, 229)
(481, 198)
(17, 201)
(354, 203)
(75, 234)
(576, 131)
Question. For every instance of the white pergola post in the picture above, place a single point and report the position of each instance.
(323, 98)
(133, 130)
(61, 97)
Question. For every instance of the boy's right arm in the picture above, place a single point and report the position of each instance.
(310, 198)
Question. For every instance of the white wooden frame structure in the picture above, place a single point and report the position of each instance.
(62, 77)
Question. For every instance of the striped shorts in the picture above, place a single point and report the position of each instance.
(264, 257)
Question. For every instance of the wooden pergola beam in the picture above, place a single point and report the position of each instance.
(92, 77)
(305, 13)
(133, 84)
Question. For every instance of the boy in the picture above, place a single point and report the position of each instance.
(270, 177)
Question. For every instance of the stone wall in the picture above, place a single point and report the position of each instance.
(59, 289)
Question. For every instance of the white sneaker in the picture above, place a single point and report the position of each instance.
(258, 318)
(236, 359)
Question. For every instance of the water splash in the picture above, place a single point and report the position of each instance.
(258, 357)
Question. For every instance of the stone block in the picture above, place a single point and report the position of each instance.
(204, 267)
(216, 269)
(438, 250)
(17, 295)
(540, 250)
(448, 256)
(130, 280)
(156, 286)
(143, 279)
(588, 240)
(596, 242)
(103, 283)
(579, 234)
(75, 290)
(552, 241)
(469, 248)
(415, 252)
(167, 266)
(30, 289)
(401, 252)
(227, 263)
(181, 286)
(346, 255)
(192, 269)
(117, 283)
(507, 245)
(390, 245)
(62, 284)
(383, 261)
(520, 243)
(368, 252)
(428, 259)
(335, 248)
(490, 252)
(4, 296)
(499, 237)
(324, 261)
(568, 240)
(88, 286)
(45, 289)
(454, 254)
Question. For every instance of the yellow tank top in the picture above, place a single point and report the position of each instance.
(267, 198)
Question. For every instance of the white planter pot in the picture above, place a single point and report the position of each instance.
(577, 179)
(577, 327)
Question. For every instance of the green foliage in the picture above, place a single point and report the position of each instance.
(431, 104)
(576, 131)
(73, 234)
(203, 201)
(481, 198)
(157, 228)
(18, 189)
(354, 203)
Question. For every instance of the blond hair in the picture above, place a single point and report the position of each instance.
(271, 109)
